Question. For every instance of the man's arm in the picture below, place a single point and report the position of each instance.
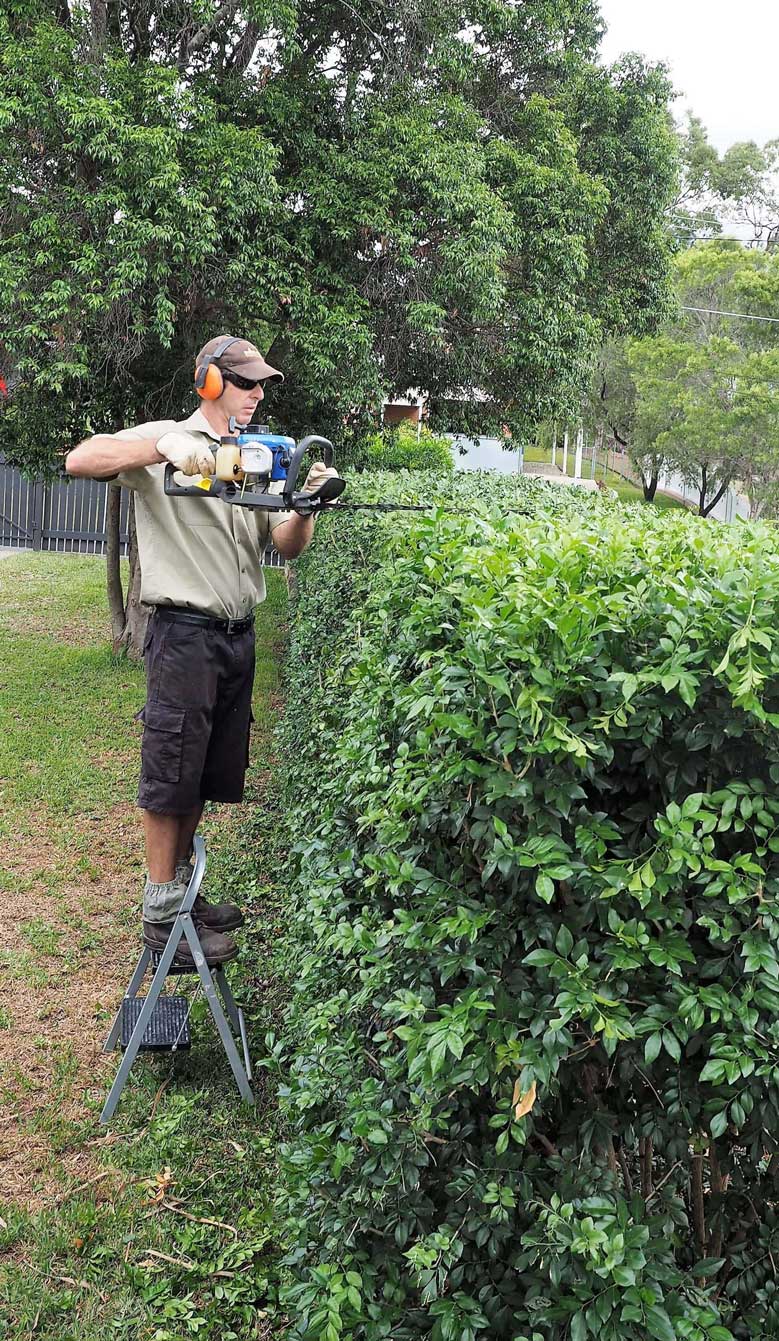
(104, 456)
(292, 536)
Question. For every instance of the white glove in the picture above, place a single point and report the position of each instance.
(317, 475)
(188, 452)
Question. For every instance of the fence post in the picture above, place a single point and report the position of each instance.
(36, 513)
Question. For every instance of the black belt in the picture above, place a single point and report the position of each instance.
(230, 626)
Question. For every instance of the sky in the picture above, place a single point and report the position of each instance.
(722, 56)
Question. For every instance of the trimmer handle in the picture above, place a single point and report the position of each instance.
(297, 457)
(288, 501)
(189, 490)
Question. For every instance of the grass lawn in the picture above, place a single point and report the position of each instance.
(627, 492)
(159, 1226)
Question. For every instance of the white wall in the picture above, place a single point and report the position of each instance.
(489, 454)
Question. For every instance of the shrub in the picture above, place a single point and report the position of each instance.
(531, 1064)
(400, 448)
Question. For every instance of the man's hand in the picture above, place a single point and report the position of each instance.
(188, 452)
(317, 475)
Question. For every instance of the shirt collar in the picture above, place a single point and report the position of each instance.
(199, 424)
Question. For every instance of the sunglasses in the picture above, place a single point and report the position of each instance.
(243, 383)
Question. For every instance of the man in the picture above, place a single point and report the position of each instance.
(201, 572)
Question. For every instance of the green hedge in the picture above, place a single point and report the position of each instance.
(401, 448)
(530, 1070)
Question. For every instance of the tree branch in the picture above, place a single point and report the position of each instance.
(696, 1198)
(243, 54)
(224, 13)
(646, 1147)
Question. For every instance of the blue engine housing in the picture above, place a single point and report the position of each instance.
(280, 447)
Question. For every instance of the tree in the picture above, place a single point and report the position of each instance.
(724, 276)
(704, 442)
(695, 209)
(654, 366)
(609, 408)
(748, 182)
(755, 420)
(739, 188)
(699, 397)
(415, 196)
(709, 411)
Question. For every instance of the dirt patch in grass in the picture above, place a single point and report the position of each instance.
(71, 632)
(70, 938)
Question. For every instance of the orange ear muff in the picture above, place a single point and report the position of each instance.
(208, 382)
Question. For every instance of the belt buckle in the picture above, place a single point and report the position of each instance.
(233, 626)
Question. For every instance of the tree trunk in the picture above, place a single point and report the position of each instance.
(113, 573)
(136, 614)
(128, 618)
(715, 500)
(650, 487)
(114, 20)
(99, 16)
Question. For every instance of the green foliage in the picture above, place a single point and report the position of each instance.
(740, 187)
(402, 448)
(530, 1071)
(700, 397)
(382, 199)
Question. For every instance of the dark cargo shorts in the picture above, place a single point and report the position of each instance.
(197, 716)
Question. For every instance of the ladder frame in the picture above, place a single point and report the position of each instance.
(215, 985)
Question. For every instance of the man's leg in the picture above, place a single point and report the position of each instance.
(162, 845)
(169, 846)
(187, 827)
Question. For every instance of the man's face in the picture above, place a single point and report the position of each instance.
(236, 401)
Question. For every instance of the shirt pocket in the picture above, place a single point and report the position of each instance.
(197, 512)
(163, 741)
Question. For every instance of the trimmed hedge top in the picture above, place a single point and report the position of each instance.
(532, 1055)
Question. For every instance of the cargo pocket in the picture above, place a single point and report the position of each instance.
(163, 741)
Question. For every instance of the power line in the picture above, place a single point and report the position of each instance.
(755, 243)
(744, 316)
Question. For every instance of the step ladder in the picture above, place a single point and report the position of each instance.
(160, 1022)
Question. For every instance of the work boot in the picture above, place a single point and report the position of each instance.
(217, 916)
(218, 949)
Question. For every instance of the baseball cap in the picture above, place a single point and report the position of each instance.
(242, 357)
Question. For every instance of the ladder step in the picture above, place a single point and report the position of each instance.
(177, 970)
(167, 1028)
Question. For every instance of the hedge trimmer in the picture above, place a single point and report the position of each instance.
(250, 459)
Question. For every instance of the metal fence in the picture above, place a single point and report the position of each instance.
(66, 515)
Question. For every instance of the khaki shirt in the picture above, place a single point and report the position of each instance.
(199, 554)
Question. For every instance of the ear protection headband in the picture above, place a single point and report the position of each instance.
(209, 382)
